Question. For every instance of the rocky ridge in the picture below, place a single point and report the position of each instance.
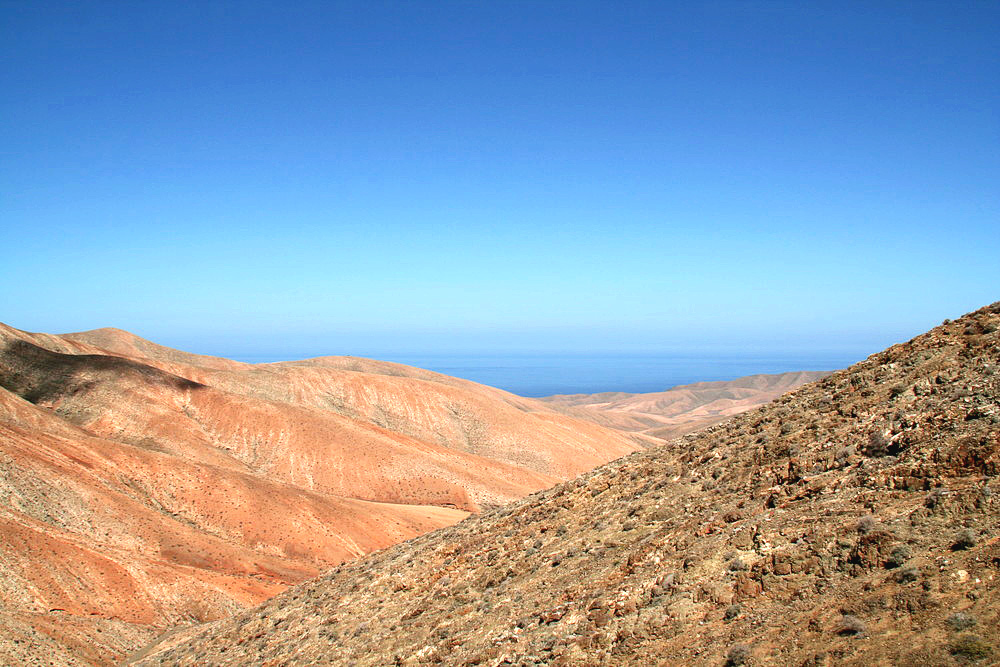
(855, 521)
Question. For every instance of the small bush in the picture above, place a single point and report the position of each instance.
(970, 647)
(964, 539)
(738, 654)
(850, 626)
(736, 565)
(925, 656)
(843, 453)
(934, 498)
(866, 524)
(960, 621)
(898, 556)
(878, 445)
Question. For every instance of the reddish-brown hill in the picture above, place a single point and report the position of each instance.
(855, 521)
(682, 409)
(144, 487)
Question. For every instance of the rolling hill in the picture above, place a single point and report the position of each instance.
(682, 409)
(855, 521)
(146, 487)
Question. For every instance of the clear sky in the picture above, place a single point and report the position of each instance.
(355, 177)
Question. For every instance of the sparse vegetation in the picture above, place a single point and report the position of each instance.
(906, 575)
(970, 647)
(960, 620)
(843, 454)
(850, 626)
(866, 524)
(816, 531)
(738, 654)
(898, 556)
(878, 445)
(964, 539)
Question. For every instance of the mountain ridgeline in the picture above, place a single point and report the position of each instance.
(855, 521)
(145, 488)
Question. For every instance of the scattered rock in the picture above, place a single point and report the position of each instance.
(664, 590)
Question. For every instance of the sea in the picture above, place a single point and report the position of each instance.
(537, 374)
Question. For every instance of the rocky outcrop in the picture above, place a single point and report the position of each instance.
(855, 521)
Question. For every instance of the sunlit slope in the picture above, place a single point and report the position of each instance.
(682, 409)
(854, 521)
(142, 492)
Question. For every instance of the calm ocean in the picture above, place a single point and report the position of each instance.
(544, 375)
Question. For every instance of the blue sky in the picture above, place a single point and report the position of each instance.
(362, 177)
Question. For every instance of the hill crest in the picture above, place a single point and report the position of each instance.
(852, 522)
(146, 491)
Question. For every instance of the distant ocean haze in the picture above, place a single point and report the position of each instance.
(539, 374)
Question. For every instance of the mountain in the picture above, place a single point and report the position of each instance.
(855, 521)
(145, 487)
(682, 409)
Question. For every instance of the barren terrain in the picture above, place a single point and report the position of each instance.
(145, 487)
(854, 521)
(682, 409)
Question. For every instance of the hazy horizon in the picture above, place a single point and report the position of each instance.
(453, 177)
(546, 374)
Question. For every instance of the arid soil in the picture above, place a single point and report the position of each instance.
(855, 521)
(684, 409)
(144, 487)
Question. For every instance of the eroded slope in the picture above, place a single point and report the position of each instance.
(141, 493)
(852, 522)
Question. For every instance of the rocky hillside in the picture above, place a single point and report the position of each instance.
(855, 521)
(144, 487)
(683, 409)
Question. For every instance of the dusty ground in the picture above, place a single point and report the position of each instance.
(855, 521)
(144, 487)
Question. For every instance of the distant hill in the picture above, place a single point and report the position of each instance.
(855, 521)
(683, 409)
(145, 487)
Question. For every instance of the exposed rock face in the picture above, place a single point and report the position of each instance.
(855, 521)
(139, 492)
(683, 409)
